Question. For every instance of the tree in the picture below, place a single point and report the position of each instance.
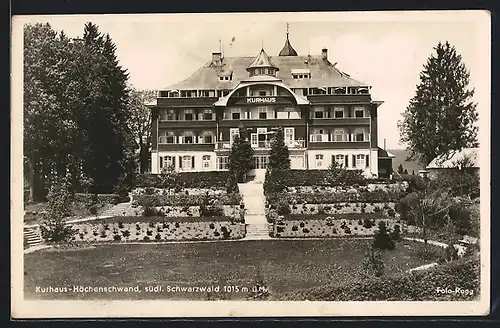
(405, 172)
(441, 116)
(413, 172)
(140, 124)
(241, 156)
(279, 159)
(400, 169)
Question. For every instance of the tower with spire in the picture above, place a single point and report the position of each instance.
(262, 65)
(287, 48)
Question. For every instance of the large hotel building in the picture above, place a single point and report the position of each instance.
(326, 115)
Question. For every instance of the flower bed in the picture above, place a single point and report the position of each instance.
(124, 229)
(386, 209)
(233, 211)
(390, 187)
(186, 200)
(100, 198)
(187, 191)
(376, 196)
(336, 226)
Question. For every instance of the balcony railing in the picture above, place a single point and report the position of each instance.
(263, 144)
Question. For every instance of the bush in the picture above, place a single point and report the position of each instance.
(373, 266)
(203, 180)
(88, 198)
(381, 239)
(53, 228)
(396, 233)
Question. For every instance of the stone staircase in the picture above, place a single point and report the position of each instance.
(31, 238)
(252, 192)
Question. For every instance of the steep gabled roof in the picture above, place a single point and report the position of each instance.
(466, 156)
(262, 61)
(323, 73)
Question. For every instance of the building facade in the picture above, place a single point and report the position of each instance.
(327, 116)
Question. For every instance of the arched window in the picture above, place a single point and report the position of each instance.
(339, 135)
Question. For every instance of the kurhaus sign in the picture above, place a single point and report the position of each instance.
(261, 100)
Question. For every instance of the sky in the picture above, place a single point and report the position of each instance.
(385, 50)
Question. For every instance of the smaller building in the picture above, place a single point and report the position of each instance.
(384, 163)
(464, 159)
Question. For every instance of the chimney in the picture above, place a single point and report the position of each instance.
(385, 145)
(217, 58)
(324, 53)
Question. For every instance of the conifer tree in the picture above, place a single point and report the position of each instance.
(280, 157)
(241, 156)
(441, 116)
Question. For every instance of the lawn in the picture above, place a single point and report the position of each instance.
(285, 266)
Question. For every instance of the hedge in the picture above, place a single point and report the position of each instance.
(209, 180)
(100, 198)
(416, 286)
(186, 200)
(375, 196)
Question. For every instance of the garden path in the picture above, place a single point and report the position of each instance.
(252, 193)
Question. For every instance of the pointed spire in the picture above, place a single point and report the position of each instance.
(287, 48)
(262, 60)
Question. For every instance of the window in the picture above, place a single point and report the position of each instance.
(188, 115)
(235, 113)
(207, 115)
(339, 135)
(206, 161)
(167, 161)
(359, 112)
(260, 162)
(170, 115)
(339, 112)
(262, 113)
(222, 162)
(188, 139)
(262, 93)
(167, 137)
(187, 162)
(319, 160)
(339, 160)
(360, 161)
(318, 113)
(207, 138)
(359, 135)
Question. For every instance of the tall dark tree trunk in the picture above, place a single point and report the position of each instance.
(143, 157)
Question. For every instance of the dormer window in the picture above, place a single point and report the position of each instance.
(226, 78)
(300, 74)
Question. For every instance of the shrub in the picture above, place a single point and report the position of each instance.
(295, 228)
(148, 211)
(381, 239)
(202, 180)
(302, 224)
(417, 286)
(305, 230)
(396, 233)
(53, 228)
(146, 238)
(225, 233)
(126, 233)
(158, 236)
(363, 196)
(430, 253)
(373, 266)
(120, 225)
(117, 237)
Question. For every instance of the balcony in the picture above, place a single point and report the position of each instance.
(264, 144)
(187, 101)
(340, 99)
(341, 121)
(270, 122)
(339, 144)
(164, 145)
(187, 124)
